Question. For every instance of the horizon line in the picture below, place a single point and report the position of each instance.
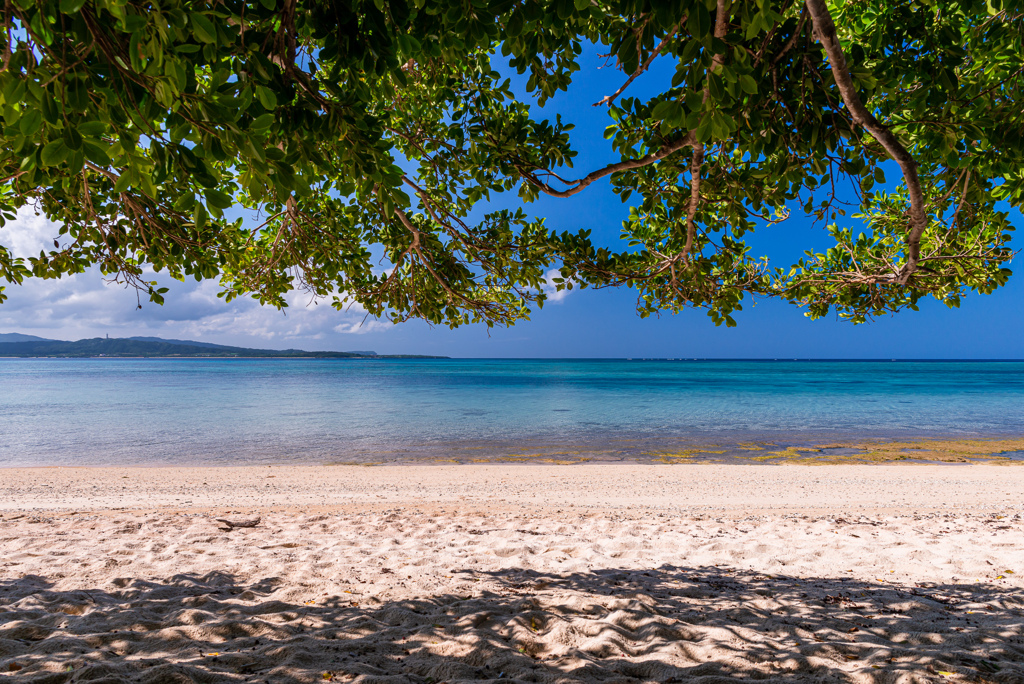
(438, 357)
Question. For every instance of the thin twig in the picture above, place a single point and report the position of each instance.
(792, 39)
(609, 99)
(624, 165)
(963, 196)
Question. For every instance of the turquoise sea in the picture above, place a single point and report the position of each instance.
(244, 411)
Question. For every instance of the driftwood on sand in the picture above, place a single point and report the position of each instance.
(253, 522)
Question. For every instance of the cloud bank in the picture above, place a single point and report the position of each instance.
(87, 305)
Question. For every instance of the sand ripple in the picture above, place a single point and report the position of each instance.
(432, 595)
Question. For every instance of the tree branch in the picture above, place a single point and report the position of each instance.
(963, 196)
(624, 165)
(12, 177)
(415, 246)
(792, 40)
(825, 30)
(697, 161)
(696, 164)
(609, 99)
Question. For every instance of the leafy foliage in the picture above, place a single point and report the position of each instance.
(143, 126)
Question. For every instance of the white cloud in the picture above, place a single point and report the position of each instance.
(555, 296)
(29, 234)
(362, 327)
(87, 305)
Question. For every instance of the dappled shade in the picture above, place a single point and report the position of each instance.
(671, 624)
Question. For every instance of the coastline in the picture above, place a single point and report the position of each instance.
(794, 449)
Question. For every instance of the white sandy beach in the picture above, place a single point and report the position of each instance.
(617, 574)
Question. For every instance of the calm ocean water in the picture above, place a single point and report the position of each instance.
(239, 411)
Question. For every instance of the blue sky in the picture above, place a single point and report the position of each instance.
(579, 324)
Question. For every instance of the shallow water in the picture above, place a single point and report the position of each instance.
(239, 411)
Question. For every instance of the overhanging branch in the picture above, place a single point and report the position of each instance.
(625, 165)
(825, 29)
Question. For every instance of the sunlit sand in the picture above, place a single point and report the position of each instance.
(554, 574)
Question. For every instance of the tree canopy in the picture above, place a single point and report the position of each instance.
(364, 133)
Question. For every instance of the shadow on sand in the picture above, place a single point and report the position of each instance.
(668, 625)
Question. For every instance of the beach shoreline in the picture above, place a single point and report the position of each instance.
(793, 449)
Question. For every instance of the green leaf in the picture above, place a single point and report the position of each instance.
(262, 122)
(203, 28)
(48, 107)
(267, 97)
(95, 153)
(715, 87)
(218, 199)
(123, 183)
(185, 202)
(54, 153)
(719, 125)
(72, 138)
(14, 90)
(200, 216)
(403, 45)
(662, 109)
(71, 6)
(147, 185)
(514, 28)
(748, 84)
(92, 129)
(30, 122)
(698, 23)
(704, 129)
(134, 23)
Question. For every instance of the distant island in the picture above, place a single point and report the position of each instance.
(26, 346)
